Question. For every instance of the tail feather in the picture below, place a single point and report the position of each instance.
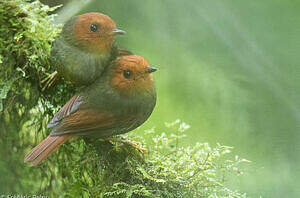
(45, 148)
(38, 149)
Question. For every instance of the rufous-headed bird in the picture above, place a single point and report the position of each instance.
(85, 48)
(118, 102)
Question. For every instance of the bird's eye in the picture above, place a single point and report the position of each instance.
(127, 73)
(94, 27)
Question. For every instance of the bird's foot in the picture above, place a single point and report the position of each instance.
(134, 144)
(49, 80)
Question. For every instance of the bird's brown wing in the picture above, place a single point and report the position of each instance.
(124, 52)
(76, 117)
(88, 121)
(75, 103)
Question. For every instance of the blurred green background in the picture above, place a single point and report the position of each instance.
(230, 69)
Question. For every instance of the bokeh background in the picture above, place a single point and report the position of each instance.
(230, 69)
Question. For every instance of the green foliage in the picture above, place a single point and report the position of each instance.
(26, 34)
(85, 167)
(168, 170)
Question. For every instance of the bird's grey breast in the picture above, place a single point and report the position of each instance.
(77, 65)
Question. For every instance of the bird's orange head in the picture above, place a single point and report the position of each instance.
(132, 75)
(93, 32)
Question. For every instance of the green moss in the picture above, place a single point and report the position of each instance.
(26, 33)
(107, 169)
(86, 168)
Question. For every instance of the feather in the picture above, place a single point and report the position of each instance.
(88, 121)
(124, 52)
(45, 148)
(70, 107)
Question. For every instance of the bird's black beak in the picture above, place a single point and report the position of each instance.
(150, 69)
(119, 32)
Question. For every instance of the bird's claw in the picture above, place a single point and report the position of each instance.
(134, 144)
(49, 80)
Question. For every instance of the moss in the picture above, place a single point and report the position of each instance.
(87, 168)
(26, 34)
(168, 170)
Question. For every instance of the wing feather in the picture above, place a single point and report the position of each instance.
(75, 103)
(89, 121)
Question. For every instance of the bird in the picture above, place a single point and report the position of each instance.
(84, 49)
(118, 102)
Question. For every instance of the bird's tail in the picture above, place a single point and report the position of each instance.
(45, 148)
